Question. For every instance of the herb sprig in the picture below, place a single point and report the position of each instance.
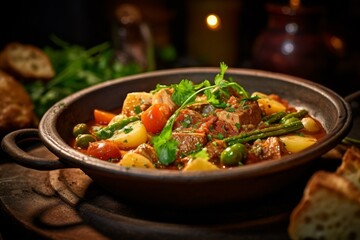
(76, 68)
(165, 146)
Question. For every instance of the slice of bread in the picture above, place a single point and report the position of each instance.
(350, 166)
(330, 206)
(329, 209)
(16, 107)
(26, 62)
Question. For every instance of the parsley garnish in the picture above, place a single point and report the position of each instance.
(182, 91)
(201, 154)
(220, 136)
(184, 94)
(187, 121)
(137, 109)
(127, 129)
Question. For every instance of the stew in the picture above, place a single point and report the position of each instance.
(205, 126)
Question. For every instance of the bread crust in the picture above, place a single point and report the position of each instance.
(330, 206)
(329, 209)
(350, 166)
(26, 62)
(16, 107)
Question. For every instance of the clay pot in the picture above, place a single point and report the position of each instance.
(294, 43)
(175, 188)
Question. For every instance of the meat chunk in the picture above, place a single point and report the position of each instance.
(187, 119)
(136, 102)
(249, 114)
(189, 141)
(147, 151)
(269, 149)
(223, 129)
(164, 96)
(214, 149)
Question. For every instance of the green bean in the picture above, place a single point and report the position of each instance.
(109, 130)
(300, 114)
(277, 130)
(273, 117)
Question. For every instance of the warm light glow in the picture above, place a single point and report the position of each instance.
(295, 3)
(213, 22)
(337, 43)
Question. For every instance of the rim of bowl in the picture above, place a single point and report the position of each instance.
(72, 158)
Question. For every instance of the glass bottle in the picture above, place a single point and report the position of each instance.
(132, 38)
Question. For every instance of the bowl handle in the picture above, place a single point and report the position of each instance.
(15, 143)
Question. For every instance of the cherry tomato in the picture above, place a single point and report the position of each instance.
(104, 150)
(103, 117)
(155, 117)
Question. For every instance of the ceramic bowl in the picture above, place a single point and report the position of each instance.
(190, 189)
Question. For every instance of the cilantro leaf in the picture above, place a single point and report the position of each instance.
(164, 145)
(167, 151)
(202, 154)
(220, 76)
(182, 91)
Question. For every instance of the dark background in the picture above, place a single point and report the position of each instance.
(89, 22)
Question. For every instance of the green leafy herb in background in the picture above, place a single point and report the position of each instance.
(76, 68)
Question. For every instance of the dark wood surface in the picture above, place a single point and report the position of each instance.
(66, 204)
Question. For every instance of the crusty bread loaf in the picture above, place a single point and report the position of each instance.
(329, 209)
(26, 61)
(16, 107)
(350, 166)
(330, 206)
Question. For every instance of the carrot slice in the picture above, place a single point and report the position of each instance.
(103, 117)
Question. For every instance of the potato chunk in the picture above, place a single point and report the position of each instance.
(267, 104)
(200, 164)
(136, 102)
(295, 143)
(132, 159)
(131, 136)
(310, 125)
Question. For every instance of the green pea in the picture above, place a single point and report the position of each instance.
(233, 155)
(83, 140)
(80, 128)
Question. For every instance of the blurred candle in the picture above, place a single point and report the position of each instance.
(213, 22)
(213, 31)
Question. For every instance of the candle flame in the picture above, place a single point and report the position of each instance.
(213, 22)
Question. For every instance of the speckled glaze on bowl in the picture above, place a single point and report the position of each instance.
(190, 189)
